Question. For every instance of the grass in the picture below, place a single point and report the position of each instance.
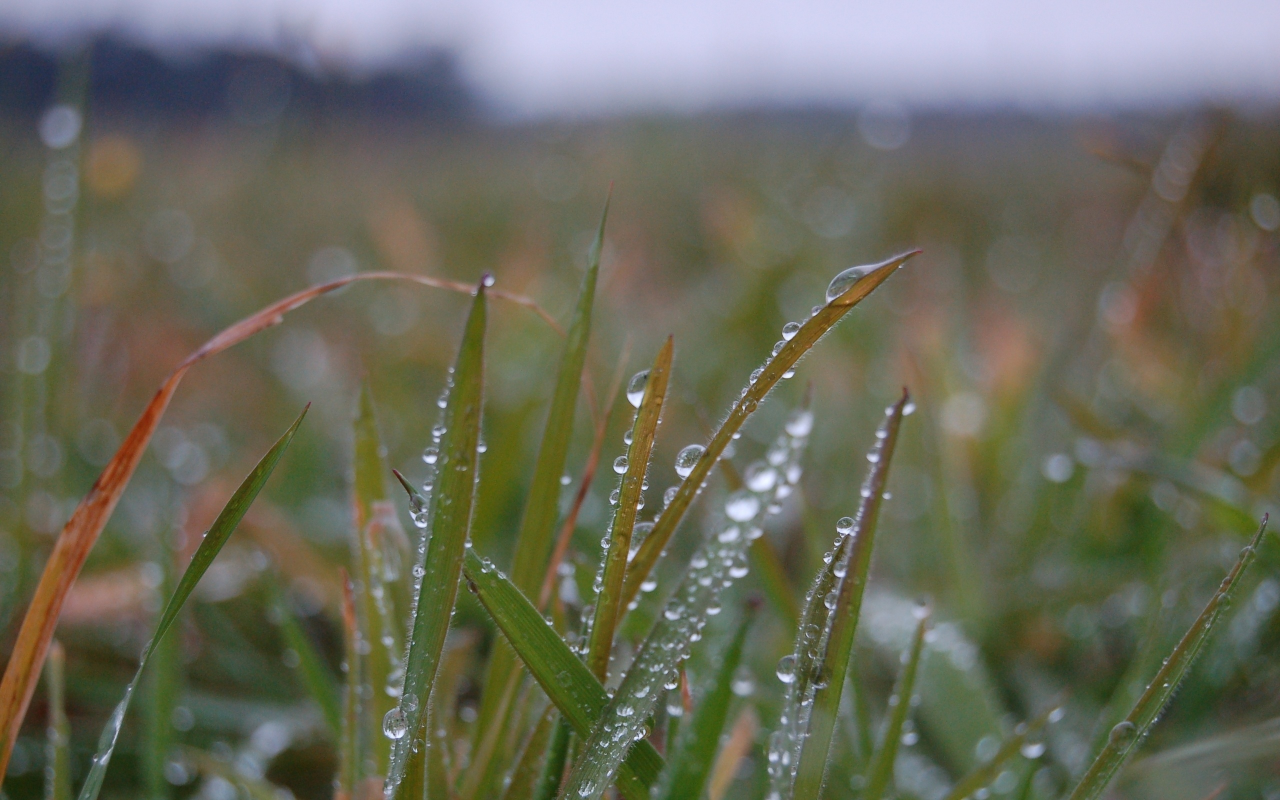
(552, 681)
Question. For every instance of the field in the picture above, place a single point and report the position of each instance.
(1089, 338)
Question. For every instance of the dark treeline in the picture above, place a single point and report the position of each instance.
(253, 88)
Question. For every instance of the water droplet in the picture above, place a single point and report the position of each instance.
(787, 669)
(741, 506)
(1123, 733)
(395, 725)
(620, 464)
(844, 525)
(799, 423)
(686, 459)
(586, 789)
(625, 710)
(565, 479)
(669, 495)
(845, 281)
(487, 280)
(755, 375)
(1032, 749)
(439, 430)
(613, 497)
(431, 455)
(730, 535)
(628, 438)
(760, 477)
(790, 330)
(909, 408)
(635, 387)
(419, 570)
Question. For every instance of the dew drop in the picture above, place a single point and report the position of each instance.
(394, 724)
(635, 387)
(844, 525)
(741, 506)
(1032, 749)
(799, 423)
(790, 330)
(687, 458)
(760, 477)
(845, 281)
(669, 495)
(620, 464)
(431, 455)
(787, 669)
(1123, 733)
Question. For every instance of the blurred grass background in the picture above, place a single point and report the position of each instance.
(1090, 336)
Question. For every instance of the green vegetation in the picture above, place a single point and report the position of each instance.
(1087, 443)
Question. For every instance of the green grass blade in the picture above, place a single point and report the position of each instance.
(987, 772)
(442, 562)
(57, 775)
(691, 757)
(609, 599)
(315, 676)
(538, 524)
(351, 751)
(578, 694)
(880, 773)
(557, 756)
(374, 595)
(720, 561)
(1126, 734)
(217, 536)
(843, 622)
(773, 371)
(160, 692)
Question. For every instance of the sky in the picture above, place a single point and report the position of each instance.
(600, 56)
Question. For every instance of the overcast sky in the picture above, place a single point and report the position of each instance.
(590, 56)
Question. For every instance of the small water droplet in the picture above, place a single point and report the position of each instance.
(1123, 733)
(1032, 749)
(760, 477)
(620, 464)
(844, 525)
(395, 725)
(787, 669)
(799, 423)
(741, 506)
(790, 330)
(635, 387)
(669, 495)
(687, 458)
(431, 455)
(565, 479)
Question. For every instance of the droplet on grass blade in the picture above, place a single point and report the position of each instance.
(686, 459)
(845, 280)
(635, 387)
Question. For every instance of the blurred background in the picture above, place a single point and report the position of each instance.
(1090, 334)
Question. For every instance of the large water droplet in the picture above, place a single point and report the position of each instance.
(431, 455)
(790, 330)
(845, 280)
(620, 464)
(787, 669)
(687, 457)
(844, 525)
(395, 725)
(635, 387)
(741, 506)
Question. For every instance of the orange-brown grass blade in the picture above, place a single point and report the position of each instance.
(90, 517)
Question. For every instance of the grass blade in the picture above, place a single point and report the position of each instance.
(553, 766)
(537, 525)
(160, 692)
(1126, 735)
(853, 556)
(773, 371)
(316, 677)
(442, 561)
(57, 775)
(690, 759)
(578, 694)
(351, 752)
(609, 598)
(985, 773)
(880, 773)
(208, 550)
(741, 741)
(90, 516)
(375, 560)
(720, 561)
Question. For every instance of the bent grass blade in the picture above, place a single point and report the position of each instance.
(442, 562)
(853, 556)
(771, 373)
(89, 518)
(1127, 733)
(578, 694)
(213, 541)
(985, 773)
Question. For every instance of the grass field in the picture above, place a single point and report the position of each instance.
(1089, 337)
